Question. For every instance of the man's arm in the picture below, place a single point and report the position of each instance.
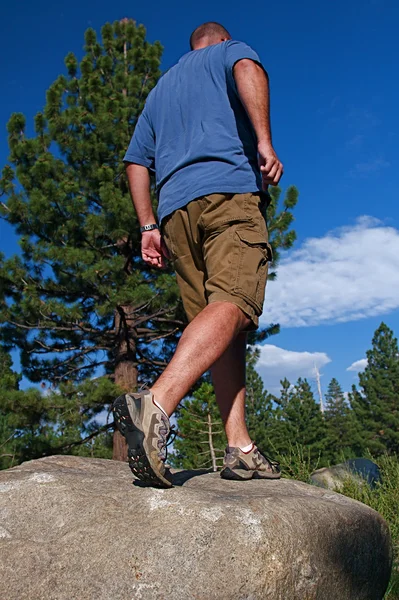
(139, 185)
(253, 89)
(153, 250)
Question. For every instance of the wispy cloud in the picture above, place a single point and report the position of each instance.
(355, 142)
(358, 365)
(371, 166)
(356, 127)
(349, 274)
(277, 363)
(361, 124)
(329, 106)
(361, 118)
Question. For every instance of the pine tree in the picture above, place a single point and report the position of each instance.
(258, 403)
(376, 405)
(79, 300)
(281, 237)
(9, 382)
(340, 424)
(201, 439)
(25, 432)
(298, 420)
(35, 423)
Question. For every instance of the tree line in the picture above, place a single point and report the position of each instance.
(364, 421)
(37, 422)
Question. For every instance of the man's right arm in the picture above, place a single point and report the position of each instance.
(253, 89)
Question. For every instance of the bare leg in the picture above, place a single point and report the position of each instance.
(228, 376)
(203, 341)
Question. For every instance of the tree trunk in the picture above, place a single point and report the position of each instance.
(125, 369)
(210, 440)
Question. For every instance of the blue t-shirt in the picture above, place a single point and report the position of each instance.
(194, 131)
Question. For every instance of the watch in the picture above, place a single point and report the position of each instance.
(148, 227)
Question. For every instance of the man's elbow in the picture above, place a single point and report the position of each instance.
(132, 166)
(246, 66)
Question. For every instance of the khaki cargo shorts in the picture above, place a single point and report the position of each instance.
(220, 252)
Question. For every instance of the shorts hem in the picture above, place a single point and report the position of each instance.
(246, 308)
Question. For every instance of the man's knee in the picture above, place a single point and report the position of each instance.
(247, 319)
(232, 312)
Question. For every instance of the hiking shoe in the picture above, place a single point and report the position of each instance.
(248, 465)
(146, 429)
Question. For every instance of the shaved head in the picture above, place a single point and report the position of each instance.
(208, 34)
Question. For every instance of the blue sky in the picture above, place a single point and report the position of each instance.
(334, 90)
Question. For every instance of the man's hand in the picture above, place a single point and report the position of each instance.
(270, 166)
(153, 249)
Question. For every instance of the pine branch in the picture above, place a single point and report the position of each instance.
(83, 441)
(7, 440)
(176, 322)
(76, 327)
(78, 369)
(61, 349)
(146, 359)
(161, 336)
(67, 361)
(5, 208)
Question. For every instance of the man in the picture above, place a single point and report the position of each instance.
(205, 131)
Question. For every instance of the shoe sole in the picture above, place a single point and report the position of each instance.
(139, 462)
(244, 475)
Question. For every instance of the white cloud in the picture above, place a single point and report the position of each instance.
(349, 274)
(276, 363)
(358, 365)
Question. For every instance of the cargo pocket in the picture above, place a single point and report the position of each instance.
(252, 267)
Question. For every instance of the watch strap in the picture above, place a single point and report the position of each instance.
(148, 227)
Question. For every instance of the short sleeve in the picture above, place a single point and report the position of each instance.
(141, 150)
(235, 51)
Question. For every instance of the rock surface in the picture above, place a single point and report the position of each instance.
(78, 529)
(358, 469)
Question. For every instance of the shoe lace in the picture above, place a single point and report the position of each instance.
(166, 432)
(274, 464)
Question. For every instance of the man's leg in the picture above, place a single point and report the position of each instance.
(143, 418)
(203, 342)
(228, 377)
(242, 459)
